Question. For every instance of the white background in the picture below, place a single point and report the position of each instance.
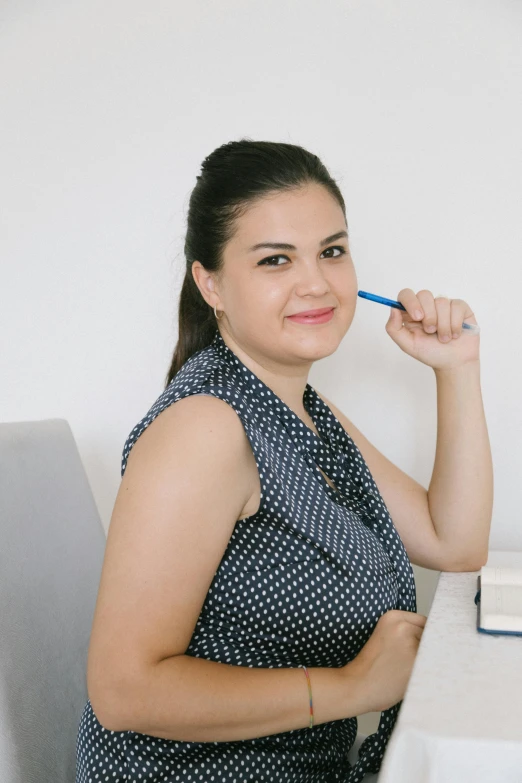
(109, 108)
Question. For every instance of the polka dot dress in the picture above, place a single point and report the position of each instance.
(303, 581)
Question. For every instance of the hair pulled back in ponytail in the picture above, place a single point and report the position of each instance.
(232, 178)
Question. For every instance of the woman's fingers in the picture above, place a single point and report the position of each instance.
(430, 319)
(438, 314)
(458, 313)
(443, 307)
(410, 301)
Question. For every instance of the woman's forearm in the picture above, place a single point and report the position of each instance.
(195, 700)
(460, 493)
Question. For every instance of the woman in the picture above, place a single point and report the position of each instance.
(257, 593)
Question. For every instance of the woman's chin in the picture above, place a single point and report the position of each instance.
(316, 346)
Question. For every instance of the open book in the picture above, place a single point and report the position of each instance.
(499, 600)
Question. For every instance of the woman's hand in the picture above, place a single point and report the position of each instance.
(435, 337)
(380, 672)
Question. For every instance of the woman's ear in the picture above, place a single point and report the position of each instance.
(203, 280)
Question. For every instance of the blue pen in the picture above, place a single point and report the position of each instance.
(473, 328)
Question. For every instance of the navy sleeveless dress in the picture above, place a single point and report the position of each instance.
(303, 581)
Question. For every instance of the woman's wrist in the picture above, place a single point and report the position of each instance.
(338, 693)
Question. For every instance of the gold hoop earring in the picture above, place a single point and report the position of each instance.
(217, 316)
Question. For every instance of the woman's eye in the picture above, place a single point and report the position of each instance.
(337, 247)
(268, 261)
(272, 260)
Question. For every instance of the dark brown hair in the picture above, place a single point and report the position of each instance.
(232, 178)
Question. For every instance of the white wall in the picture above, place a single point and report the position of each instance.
(109, 108)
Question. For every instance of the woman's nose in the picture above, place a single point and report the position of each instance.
(311, 279)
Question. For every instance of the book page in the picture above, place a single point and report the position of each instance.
(501, 607)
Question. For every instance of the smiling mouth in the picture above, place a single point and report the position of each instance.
(316, 317)
(312, 313)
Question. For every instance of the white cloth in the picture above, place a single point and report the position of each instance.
(461, 718)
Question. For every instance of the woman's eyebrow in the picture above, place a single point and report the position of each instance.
(286, 246)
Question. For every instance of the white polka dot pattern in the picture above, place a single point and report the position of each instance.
(303, 581)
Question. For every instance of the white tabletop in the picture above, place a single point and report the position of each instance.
(461, 717)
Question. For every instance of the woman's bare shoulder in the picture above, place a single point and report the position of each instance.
(191, 422)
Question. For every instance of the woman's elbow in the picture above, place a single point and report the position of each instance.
(111, 698)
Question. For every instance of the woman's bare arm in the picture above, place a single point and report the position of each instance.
(187, 480)
(196, 700)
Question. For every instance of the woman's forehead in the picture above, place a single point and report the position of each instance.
(292, 218)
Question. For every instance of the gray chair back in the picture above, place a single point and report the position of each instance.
(51, 552)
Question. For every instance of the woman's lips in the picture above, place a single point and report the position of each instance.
(317, 317)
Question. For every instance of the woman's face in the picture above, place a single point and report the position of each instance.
(259, 288)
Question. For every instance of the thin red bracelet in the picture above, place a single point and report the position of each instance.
(310, 692)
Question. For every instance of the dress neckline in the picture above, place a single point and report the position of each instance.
(330, 430)
(333, 437)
